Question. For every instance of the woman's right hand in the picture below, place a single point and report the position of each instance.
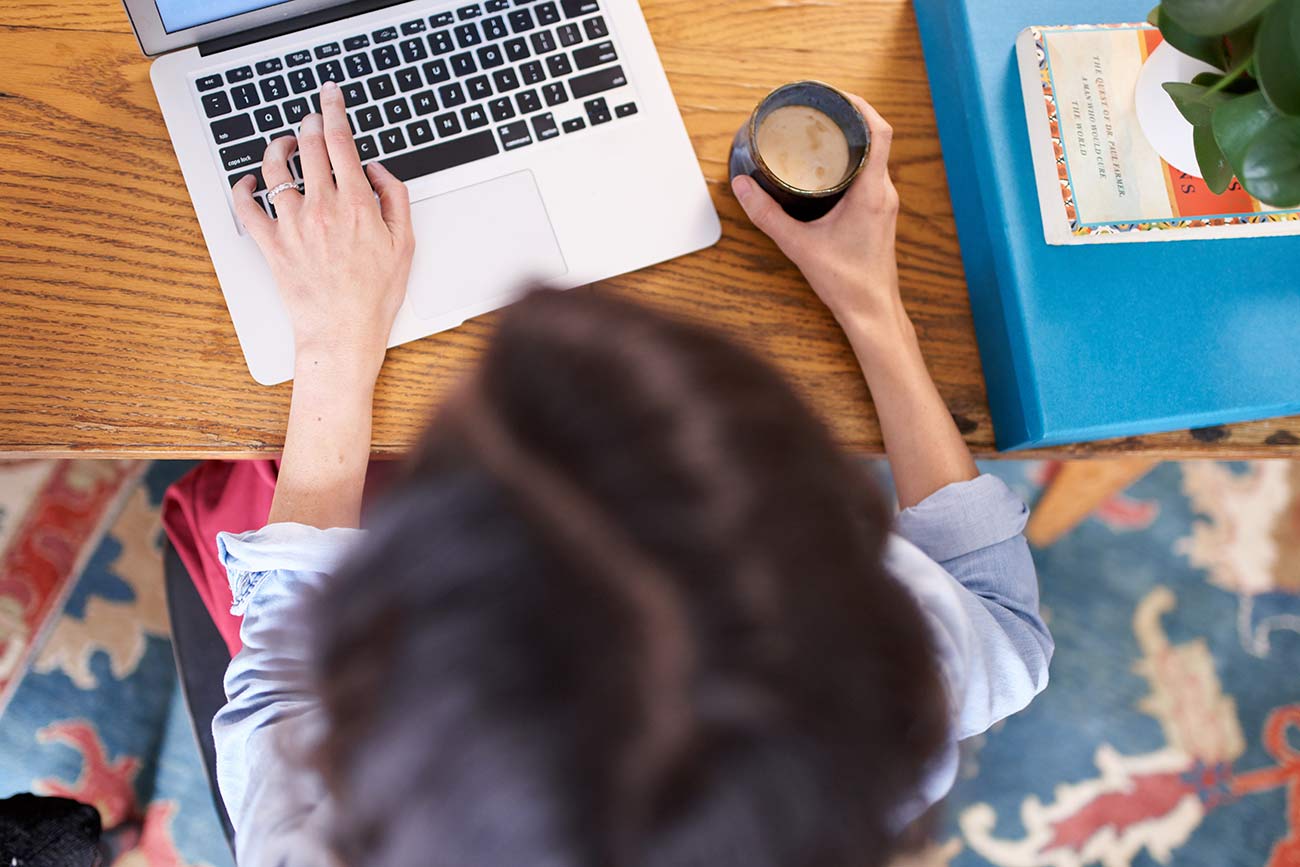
(848, 255)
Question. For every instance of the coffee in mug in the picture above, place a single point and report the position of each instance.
(804, 144)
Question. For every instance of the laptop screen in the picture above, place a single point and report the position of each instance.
(184, 14)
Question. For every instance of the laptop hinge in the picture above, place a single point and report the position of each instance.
(290, 25)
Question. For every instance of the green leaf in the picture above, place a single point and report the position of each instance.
(1196, 103)
(1206, 48)
(1278, 56)
(1236, 122)
(1271, 167)
(1213, 17)
(1214, 165)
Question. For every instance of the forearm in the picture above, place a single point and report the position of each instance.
(327, 444)
(925, 450)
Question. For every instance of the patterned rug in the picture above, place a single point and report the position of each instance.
(1170, 733)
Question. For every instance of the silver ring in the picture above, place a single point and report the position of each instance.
(275, 191)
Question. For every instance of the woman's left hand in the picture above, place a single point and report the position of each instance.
(340, 258)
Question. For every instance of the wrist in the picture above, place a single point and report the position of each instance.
(343, 367)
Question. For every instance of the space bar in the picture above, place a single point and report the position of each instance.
(440, 157)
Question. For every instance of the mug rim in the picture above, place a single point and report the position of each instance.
(767, 170)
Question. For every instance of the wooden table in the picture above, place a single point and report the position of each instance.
(115, 340)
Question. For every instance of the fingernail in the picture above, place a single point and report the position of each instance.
(742, 186)
(329, 85)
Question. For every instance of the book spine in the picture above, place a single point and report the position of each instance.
(977, 209)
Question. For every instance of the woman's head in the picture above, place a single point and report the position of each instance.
(626, 607)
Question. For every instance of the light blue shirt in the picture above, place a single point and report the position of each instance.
(960, 552)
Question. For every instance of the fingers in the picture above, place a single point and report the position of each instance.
(250, 213)
(315, 159)
(394, 201)
(763, 210)
(882, 137)
(275, 169)
(338, 140)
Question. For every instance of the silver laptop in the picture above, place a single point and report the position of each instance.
(538, 138)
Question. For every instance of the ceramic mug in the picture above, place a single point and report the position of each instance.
(746, 159)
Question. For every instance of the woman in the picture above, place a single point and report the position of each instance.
(628, 604)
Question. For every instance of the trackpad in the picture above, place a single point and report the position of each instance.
(480, 244)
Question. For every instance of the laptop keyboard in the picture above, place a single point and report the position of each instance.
(432, 93)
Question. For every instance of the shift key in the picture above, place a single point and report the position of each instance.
(597, 82)
(243, 154)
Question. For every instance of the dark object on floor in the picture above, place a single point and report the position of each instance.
(201, 661)
(49, 832)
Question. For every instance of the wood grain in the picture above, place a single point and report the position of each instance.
(114, 338)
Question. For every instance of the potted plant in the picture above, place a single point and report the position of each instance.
(1246, 114)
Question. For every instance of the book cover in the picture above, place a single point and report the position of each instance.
(1100, 179)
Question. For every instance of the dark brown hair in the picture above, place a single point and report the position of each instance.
(626, 607)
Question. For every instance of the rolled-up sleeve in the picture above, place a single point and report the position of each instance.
(990, 615)
(269, 795)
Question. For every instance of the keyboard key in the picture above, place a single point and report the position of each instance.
(574, 125)
(331, 70)
(547, 13)
(295, 167)
(410, 28)
(281, 134)
(301, 80)
(597, 82)
(532, 72)
(387, 34)
(408, 79)
(298, 58)
(273, 88)
(465, 13)
(424, 102)
(243, 154)
(385, 57)
(597, 111)
(245, 96)
(328, 50)
(366, 147)
(392, 140)
(442, 19)
(521, 21)
(595, 55)
(440, 157)
(413, 50)
(238, 74)
(315, 102)
(436, 71)
(502, 109)
(596, 28)
(268, 118)
(494, 28)
(440, 42)
(478, 87)
(381, 87)
(467, 35)
(397, 111)
(358, 65)
(452, 94)
(544, 127)
(543, 42)
(528, 102)
(447, 124)
(369, 117)
(266, 206)
(555, 93)
(232, 128)
(559, 65)
(295, 110)
(420, 133)
(489, 57)
(266, 67)
(353, 95)
(514, 135)
(356, 43)
(569, 34)
(516, 50)
(496, 5)
(216, 104)
(627, 109)
(463, 64)
(574, 8)
(208, 82)
(475, 117)
(239, 176)
(506, 80)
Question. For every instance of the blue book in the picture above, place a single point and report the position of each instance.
(1094, 341)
